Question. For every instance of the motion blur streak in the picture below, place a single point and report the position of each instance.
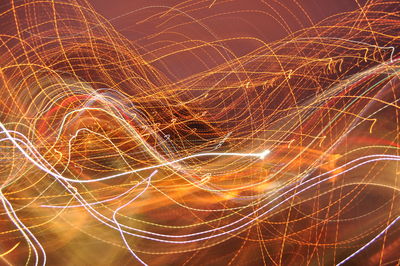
(199, 132)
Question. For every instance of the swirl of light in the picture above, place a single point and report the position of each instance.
(111, 152)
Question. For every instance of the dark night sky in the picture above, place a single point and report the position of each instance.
(253, 18)
(256, 23)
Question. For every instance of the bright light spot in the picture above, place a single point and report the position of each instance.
(264, 153)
